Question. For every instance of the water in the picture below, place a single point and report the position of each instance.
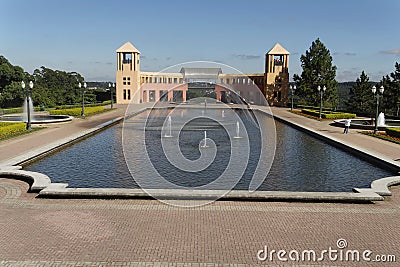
(302, 163)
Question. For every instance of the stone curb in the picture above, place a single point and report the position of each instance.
(37, 181)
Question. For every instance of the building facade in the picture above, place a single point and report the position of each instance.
(135, 86)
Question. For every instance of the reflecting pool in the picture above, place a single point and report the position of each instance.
(301, 163)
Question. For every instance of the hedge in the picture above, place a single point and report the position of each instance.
(11, 128)
(6, 111)
(104, 103)
(329, 114)
(76, 112)
(314, 108)
(394, 132)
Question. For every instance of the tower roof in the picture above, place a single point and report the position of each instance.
(278, 50)
(127, 48)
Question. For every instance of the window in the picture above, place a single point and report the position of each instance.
(127, 58)
(129, 94)
(124, 94)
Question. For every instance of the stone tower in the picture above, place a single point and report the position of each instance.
(277, 76)
(128, 74)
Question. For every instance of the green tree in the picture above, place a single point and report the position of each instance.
(55, 87)
(51, 87)
(317, 70)
(360, 97)
(9, 73)
(391, 100)
(12, 95)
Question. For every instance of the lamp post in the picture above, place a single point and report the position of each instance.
(112, 86)
(83, 97)
(292, 89)
(28, 110)
(377, 95)
(321, 92)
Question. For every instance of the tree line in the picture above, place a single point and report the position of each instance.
(318, 70)
(51, 87)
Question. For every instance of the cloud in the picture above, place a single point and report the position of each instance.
(347, 75)
(101, 63)
(246, 57)
(345, 54)
(168, 58)
(391, 52)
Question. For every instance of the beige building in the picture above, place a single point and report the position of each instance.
(135, 86)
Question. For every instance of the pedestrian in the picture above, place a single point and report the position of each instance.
(347, 123)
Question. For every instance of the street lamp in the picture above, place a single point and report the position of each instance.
(381, 89)
(83, 97)
(28, 95)
(112, 93)
(292, 89)
(321, 91)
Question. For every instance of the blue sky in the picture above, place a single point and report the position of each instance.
(83, 35)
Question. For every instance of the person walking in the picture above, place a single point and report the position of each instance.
(347, 123)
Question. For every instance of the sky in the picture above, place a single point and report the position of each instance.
(82, 35)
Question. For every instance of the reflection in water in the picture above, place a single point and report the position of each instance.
(302, 163)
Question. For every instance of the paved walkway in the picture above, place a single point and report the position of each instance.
(375, 145)
(79, 232)
(17, 146)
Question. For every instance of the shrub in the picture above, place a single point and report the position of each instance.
(339, 115)
(394, 132)
(76, 112)
(11, 128)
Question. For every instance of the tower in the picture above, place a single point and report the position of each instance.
(128, 74)
(277, 76)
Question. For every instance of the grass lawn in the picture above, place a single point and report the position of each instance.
(16, 134)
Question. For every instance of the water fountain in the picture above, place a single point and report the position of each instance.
(202, 113)
(237, 131)
(169, 126)
(223, 113)
(25, 110)
(205, 140)
(35, 118)
(381, 120)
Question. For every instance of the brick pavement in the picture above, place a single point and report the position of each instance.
(94, 232)
(80, 232)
